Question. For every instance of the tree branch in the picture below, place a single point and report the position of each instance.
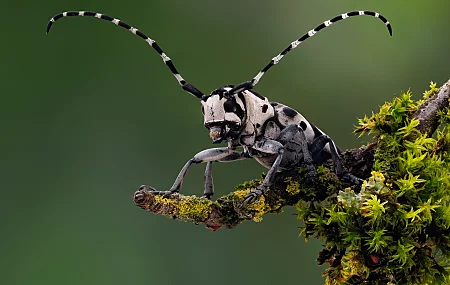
(428, 111)
(289, 187)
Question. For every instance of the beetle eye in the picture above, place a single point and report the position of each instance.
(229, 106)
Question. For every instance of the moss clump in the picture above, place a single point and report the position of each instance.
(395, 228)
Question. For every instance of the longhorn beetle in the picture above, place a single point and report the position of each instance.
(277, 136)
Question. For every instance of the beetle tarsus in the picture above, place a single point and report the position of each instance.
(352, 178)
(311, 174)
(152, 190)
(253, 196)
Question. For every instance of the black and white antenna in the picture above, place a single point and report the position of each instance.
(185, 85)
(250, 84)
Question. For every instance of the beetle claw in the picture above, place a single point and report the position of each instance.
(253, 196)
(151, 189)
(352, 178)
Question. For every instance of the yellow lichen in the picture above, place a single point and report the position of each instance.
(293, 188)
(194, 208)
(257, 208)
(188, 208)
(241, 193)
(260, 207)
(167, 201)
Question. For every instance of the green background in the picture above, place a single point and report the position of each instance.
(90, 112)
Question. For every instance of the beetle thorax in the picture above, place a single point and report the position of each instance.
(259, 112)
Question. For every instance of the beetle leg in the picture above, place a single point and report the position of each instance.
(317, 147)
(222, 154)
(209, 185)
(269, 147)
(287, 135)
(277, 147)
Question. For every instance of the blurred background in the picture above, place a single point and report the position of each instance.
(90, 112)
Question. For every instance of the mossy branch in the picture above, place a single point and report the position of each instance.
(394, 229)
(427, 113)
(288, 189)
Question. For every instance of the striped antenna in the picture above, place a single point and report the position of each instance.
(186, 86)
(250, 84)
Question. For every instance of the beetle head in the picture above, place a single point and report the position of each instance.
(224, 114)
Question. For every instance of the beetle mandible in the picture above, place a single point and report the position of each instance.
(275, 135)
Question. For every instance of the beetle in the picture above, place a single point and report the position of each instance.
(275, 135)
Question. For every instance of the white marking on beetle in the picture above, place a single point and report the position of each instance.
(133, 30)
(344, 16)
(377, 15)
(311, 33)
(150, 41)
(277, 59)
(116, 21)
(178, 77)
(387, 23)
(294, 44)
(165, 57)
(52, 20)
(327, 23)
(65, 14)
(361, 12)
(257, 78)
(81, 13)
(98, 15)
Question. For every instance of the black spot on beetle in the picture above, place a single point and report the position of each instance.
(258, 125)
(229, 106)
(274, 104)
(264, 108)
(289, 112)
(303, 125)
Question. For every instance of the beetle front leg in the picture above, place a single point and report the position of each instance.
(209, 185)
(269, 147)
(209, 155)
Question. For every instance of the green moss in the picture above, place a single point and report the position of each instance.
(431, 92)
(395, 228)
